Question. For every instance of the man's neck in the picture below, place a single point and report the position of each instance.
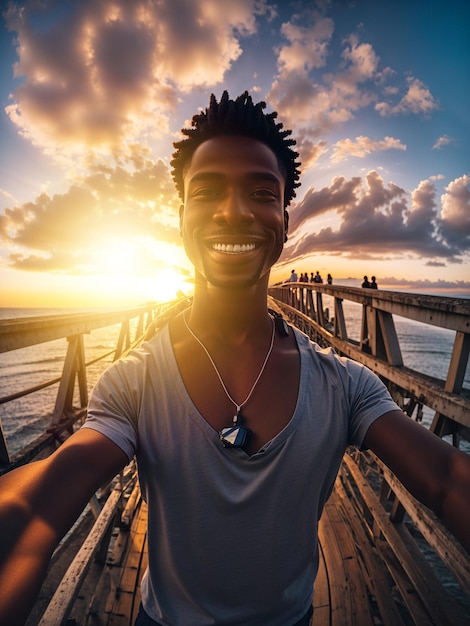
(236, 313)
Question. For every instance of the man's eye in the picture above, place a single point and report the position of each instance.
(267, 194)
(204, 192)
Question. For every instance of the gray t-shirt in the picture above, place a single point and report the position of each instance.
(233, 538)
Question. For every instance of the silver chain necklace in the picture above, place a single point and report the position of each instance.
(234, 436)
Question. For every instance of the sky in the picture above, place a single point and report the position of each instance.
(94, 93)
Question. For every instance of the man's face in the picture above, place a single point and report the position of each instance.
(233, 221)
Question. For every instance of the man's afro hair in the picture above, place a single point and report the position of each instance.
(237, 117)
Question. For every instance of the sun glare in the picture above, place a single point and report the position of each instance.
(141, 269)
(117, 257)
(167, 283)
(145, 264)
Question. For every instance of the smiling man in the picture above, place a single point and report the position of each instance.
(239, 424)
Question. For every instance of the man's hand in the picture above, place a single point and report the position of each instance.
(435, 472)
(39, 502)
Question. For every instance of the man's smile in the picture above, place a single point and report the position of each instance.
(236, 248)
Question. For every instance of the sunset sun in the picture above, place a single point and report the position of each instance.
(153, 269)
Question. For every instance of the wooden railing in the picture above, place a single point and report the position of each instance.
(30, 331)
(378, 345)
(375, 496)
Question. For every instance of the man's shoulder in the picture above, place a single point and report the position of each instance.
(325, 356)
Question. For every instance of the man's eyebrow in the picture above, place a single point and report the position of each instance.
(215, 176)
(264, 176)
(205, 176)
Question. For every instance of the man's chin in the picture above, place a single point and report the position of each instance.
(233, 281)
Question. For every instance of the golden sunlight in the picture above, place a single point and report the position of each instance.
(117, 257)
(167, 283)
(153, 266)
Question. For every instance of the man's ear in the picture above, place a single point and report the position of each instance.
(286, 224)
(181, 218)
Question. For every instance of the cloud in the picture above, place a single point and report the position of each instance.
(362, 146)
(100, 74)
(455, 222)
(307, 46)
(316, 103)
(372, 219)
(417, 100)
(63, 232)
(442, 141)
(426, 284)
(7, 195)
(298, 96)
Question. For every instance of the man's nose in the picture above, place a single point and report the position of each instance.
(234, 209)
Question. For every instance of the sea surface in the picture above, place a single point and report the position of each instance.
(26, 418)
(425, 348)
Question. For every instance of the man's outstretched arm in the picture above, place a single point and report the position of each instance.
(39, 502)
(435, 472)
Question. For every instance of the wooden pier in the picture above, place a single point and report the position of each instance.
(384, 558)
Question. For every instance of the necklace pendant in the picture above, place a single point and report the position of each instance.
(235, 436)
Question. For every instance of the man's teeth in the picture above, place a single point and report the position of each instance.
(234, 248)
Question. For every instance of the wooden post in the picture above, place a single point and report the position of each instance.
(140, 327)
(389, 338)
(441, 425)
(320, 312)
(124, 339)
(4, 455)
(364, 339)
(64, 399)
(340, 322)
(311, 306)
(81, 372)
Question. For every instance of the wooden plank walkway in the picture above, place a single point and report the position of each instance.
(369, 574)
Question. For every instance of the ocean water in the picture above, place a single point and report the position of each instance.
(426, 349)
(26, 418)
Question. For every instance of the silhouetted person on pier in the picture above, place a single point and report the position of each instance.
(317, 278)
(365, 283)
(373, 283)
(239, 427)
(293, 277)
(329, 279)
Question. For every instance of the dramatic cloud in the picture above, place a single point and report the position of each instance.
(102, 75)
(362, 146)
(106, 73)
(375, 219)
(107, 208)
(455, 223)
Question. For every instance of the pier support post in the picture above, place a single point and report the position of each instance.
(4, 455)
